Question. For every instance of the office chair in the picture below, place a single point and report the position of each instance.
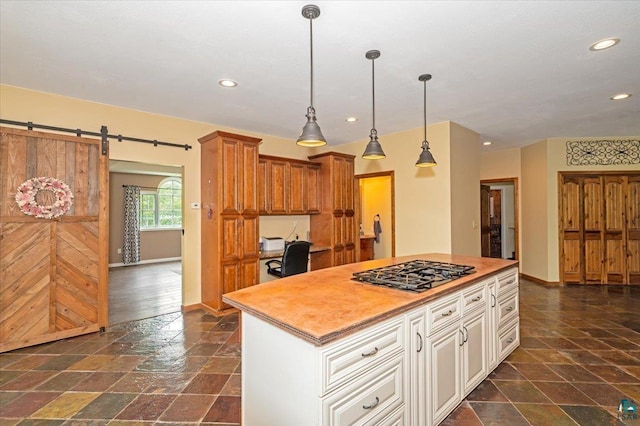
(294, 260)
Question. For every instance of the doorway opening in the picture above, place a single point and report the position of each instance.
(376, 214)
(153, 285)
(499, 229)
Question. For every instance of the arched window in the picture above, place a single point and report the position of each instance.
(162, 208)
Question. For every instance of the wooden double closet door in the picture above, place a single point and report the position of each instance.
(600, 228)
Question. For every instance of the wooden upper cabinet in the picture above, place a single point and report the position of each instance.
(278, 187)
(314, 188)
(297, 188)
(288, 186)
(248, 187)
(230, 176)
(263, 187)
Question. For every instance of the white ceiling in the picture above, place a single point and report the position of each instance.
(513, 71)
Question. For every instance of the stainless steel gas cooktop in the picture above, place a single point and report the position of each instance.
(415, 275)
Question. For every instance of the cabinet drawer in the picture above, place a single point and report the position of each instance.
(508, 281)
(507, 308)
(369, 399)
(442, 313)
(353, 356)
(474, 298)
(509, 340)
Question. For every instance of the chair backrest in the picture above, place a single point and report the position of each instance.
(295, 258)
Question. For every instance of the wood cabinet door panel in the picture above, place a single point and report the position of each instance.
(250, 237)
(474, 351)
(337, 184)
(230, 177)
(314, 190)
(278, 186)
(230, 276)
(230, 241)
(263, 185)
(248, 187)
(614, 258)
(297, 189)
(444, 359)
(338, 230)
(250, 272)
(348, 183)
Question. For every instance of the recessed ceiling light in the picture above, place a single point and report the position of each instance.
(227, 83)
(604, 44)
(486, 143)
(620, 96)
(351, 119)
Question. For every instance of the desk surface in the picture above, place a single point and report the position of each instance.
(274, 254)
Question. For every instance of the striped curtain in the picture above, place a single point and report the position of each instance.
(131, 243)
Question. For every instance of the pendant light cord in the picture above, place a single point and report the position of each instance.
(425, 110)
(373, 91)
(311, 43)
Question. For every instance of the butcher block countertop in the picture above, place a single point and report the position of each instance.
(324, 305)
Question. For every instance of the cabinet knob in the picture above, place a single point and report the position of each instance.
(419, 337)
(510, 308)
(510, 340)
(493, 301)
(475, 299)
(446, 314)
(373, 352)
(373, 404)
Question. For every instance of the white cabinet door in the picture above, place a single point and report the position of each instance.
(474, 350)
(444, 361)
(416, 353)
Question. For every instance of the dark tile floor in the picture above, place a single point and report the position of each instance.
(579, 357)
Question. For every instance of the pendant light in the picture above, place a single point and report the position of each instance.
(426, 158)
(373, 151)
(311, 134)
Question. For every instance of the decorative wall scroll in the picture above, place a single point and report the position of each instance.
(603, 152)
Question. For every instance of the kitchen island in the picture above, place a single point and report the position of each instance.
(319, 348)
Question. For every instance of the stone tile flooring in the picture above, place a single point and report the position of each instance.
(579, 357)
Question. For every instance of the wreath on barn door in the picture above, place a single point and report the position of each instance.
(28, 190)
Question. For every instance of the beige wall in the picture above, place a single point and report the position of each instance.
(155, 244)
(535, 256)
(45, 108)
(500, 164)
(465, 191)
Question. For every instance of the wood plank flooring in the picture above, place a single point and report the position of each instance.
(143, 291)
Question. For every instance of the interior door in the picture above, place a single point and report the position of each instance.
(633, 229)
(485, 221)
(53, 271)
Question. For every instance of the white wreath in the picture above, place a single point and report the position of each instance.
(26, 197)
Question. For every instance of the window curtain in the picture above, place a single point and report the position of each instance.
(131, 243)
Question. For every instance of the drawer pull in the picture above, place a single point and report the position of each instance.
(510, 340)
(510, 308)
(420, 348)
(373, 404)
(462, 342)
(493, 301)
(373, 352)
(446, 314)
(475, 299)
(511, 281)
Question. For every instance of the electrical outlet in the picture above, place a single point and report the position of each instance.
(119, 251)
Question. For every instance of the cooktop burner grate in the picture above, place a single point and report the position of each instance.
(415, 275)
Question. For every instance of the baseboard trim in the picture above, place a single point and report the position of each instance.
(145, 262)
(541, 282)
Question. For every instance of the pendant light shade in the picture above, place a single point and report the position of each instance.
(311, 133)
(426, 158)
(373, 151)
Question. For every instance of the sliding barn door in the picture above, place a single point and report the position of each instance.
(53, 271)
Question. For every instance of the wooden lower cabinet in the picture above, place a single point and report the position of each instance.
(366, 248)
(409, 369)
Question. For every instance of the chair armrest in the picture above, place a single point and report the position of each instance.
(273, 261)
